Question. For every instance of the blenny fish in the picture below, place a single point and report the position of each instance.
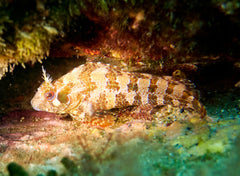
(95, 87)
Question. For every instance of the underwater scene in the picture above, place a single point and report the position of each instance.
(119, 88)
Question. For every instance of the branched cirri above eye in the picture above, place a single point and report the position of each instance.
(49, 95)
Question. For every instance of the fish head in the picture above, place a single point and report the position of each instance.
(51, 98)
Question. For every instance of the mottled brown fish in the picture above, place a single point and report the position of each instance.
(94, 87)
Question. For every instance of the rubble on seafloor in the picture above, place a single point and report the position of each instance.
(42, 142)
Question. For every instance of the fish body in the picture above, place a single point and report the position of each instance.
(94, 87)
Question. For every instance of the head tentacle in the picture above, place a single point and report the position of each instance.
(46, 77)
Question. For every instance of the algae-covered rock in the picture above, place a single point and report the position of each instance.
(207, 141)
(161, 36)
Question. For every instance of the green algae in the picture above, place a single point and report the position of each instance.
(33, 45)
(228, 7)
(16, 170)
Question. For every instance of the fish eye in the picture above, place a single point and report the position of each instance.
(49, 95)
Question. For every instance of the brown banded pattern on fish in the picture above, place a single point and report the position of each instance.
(93, 87)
